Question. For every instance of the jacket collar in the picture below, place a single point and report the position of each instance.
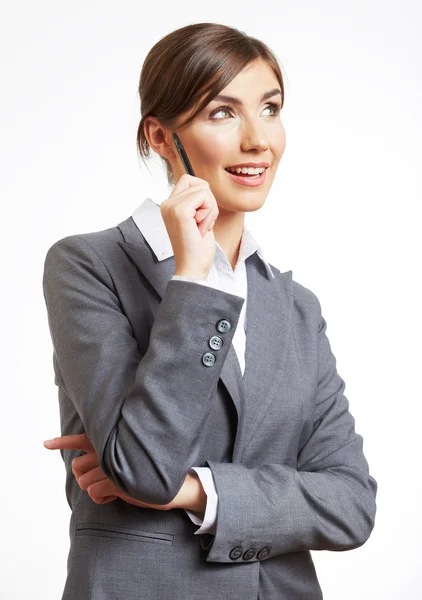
(150, 223)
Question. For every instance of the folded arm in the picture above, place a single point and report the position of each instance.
(142, 414)
(327, 503)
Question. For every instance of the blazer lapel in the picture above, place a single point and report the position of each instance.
(269, 325)
(158, 273)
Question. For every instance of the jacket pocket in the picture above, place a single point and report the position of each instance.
(123, 533)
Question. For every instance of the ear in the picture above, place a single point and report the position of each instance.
(159, 138)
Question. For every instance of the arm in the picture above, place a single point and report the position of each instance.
(142, 414)
(208, 520)
(327, 503)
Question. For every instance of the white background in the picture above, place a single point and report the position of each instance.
(348, 186)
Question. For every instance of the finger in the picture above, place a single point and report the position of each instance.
(70, 442)
(104, 500)
(204, 211)
(208, 223)
(191, 205)
(91, 477)
(182, 192)
(193, 199)
(201, 214)
(208, 209)
(102, 492)
(186, 181)
(85, 463)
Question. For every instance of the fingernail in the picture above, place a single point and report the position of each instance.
(48, 442)
(211, 226)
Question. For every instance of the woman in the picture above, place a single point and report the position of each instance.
(197, 379)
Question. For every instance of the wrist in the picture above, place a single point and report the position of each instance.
(131, 500)
(196, 498)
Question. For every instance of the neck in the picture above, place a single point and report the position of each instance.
(228, 231)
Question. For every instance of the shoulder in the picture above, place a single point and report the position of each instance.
(303, 298)
(305, 305)
(306, 309)
(92, 243)
(90, 252)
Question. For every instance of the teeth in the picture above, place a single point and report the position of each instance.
(246, 170)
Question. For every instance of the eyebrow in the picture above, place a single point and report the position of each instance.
(233, 100)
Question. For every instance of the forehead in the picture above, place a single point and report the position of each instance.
(254, 80)
(248, 86)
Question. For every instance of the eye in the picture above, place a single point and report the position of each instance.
(274, 107)
(227, 109)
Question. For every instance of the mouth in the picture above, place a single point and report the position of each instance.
(254, 178)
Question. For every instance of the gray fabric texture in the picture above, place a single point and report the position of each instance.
(288, 465)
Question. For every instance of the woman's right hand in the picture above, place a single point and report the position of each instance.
(188, 214)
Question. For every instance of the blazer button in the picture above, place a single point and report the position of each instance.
(223, 326)
(236, 553)
(215, 342)
(208, 359)
(263, 553)
(249, 554)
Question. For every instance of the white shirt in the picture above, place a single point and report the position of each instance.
(149, 221)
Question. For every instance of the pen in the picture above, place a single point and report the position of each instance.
(183, 155)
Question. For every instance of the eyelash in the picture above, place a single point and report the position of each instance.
(276, 108)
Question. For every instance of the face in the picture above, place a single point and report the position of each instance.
(229, 133)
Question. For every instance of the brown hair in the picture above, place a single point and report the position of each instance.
(189, 62)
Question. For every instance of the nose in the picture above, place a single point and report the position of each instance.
(253, 136)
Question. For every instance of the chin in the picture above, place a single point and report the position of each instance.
(242, 204)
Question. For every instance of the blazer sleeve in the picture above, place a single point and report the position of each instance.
(327, 503)
(207, 523)
(143, 414)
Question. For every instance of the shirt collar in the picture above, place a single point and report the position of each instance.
(150, 223)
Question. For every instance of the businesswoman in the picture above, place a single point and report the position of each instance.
(207, 439)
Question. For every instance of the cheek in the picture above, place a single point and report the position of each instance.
(209, 150)
(278, 142)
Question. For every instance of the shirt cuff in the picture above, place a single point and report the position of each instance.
(209, 522)
(201, 281)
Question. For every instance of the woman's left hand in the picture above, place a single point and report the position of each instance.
(91, 478)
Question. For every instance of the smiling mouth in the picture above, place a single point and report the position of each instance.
(248, 180)
(240, 174)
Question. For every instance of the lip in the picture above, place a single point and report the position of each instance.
(248, 181)
(249, 164)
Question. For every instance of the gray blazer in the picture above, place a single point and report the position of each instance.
(135, 371)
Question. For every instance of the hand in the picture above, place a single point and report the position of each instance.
(188, 215)
(91, 477)
(88, 473)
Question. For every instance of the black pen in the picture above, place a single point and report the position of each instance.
(183, 155)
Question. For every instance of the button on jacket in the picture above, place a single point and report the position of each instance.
(280, 442)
